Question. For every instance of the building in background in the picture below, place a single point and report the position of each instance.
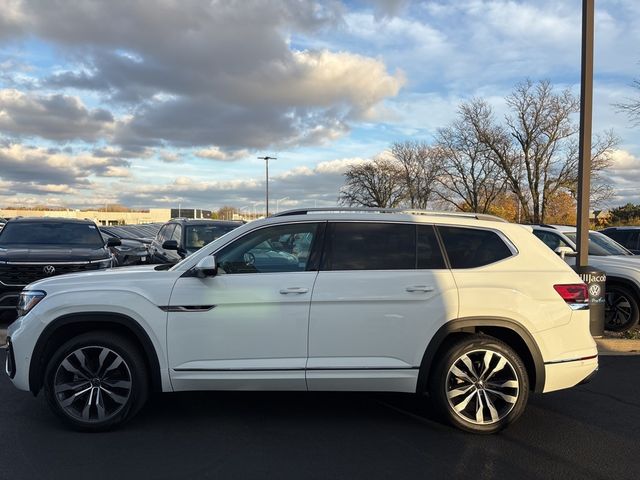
(153, 215)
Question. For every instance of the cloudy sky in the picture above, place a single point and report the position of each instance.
(167, 102)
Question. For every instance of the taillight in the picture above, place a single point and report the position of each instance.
(575, 294)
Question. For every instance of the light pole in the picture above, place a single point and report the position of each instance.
(278, 203)
(266, 160)
(584, 153)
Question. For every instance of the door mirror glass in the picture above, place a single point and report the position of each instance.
(206, 267)
(170, 245)
(566, 252)
(113, 242)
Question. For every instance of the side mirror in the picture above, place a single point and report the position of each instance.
(566, 252)
(113, 242)
(170, 245)
(206, 267)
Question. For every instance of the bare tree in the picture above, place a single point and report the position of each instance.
(536, 148)
(470, 178)
(632, 106)
(419, 171)
(373, 184)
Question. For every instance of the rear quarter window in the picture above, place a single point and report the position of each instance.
(472, 247)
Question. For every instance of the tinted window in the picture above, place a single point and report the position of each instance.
(551, 240)
(51, 233)
(177, 234)
(601, 245)
(620, 236)
(282, 248)
(200, 235)
(371, 246)
(470, 247)
(429, 254)
(165, 233)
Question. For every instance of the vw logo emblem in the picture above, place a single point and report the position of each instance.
(49, 270)
(594, 290)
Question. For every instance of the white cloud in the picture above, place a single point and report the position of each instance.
(216, 153)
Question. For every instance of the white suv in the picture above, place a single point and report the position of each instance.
(469, 309)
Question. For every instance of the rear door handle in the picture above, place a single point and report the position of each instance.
(419, 288)
(298, 290)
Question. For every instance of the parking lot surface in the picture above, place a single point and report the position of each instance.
(588, 432)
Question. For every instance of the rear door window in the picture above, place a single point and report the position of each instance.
(370, 246)
(472, 247)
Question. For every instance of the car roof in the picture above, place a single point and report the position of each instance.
(84, 221)
(204, 221)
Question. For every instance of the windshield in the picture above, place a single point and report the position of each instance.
(601, 245)
(198, 236)
(51, 233)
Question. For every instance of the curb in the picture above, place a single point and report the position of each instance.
(618, 346)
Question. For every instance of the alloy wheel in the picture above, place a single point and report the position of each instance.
(618, 310)
(92, 384)
(482, 387)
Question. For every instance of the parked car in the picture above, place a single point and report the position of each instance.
(145, 232)
(622, 296)
(129, 252)
(35, 248)
(628, 237)
(2, 223)
(470, 309)
(182, 236)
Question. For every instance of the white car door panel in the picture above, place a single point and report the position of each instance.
(244, 330)
(368, 329)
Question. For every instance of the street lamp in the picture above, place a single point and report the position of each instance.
(278, 202)
(266, 160)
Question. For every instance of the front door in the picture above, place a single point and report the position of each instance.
(247, 327)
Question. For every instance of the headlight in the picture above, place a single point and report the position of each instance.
(29, 299)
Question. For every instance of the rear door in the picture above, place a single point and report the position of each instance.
(382, 292)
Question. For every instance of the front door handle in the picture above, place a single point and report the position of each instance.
(419, 288)
(298, 290)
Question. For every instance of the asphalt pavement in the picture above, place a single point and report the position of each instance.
(590, 432)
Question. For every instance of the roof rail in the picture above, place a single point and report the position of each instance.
(306, 211)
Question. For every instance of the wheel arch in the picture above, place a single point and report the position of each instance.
(505, 329)
(58, 331)
(625, 282)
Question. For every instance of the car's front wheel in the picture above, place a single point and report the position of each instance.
(96, 381)
(480, 384)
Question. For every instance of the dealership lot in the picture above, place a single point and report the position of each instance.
(587, 432)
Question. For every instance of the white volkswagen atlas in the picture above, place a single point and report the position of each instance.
(473, 311)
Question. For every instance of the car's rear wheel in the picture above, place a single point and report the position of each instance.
(480, 384)
(96, 381)
(621, 311)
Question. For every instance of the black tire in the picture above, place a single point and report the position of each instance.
(496, 404)
(621, 308)
(96, 381)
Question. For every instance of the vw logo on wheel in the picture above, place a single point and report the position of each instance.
(49, 270)
(594, 290)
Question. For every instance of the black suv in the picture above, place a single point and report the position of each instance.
(182, 236)
(35, 248)
(628, 237)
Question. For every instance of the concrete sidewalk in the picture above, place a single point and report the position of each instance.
(618, 346)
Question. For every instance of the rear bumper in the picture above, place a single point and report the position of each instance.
(569, 373)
